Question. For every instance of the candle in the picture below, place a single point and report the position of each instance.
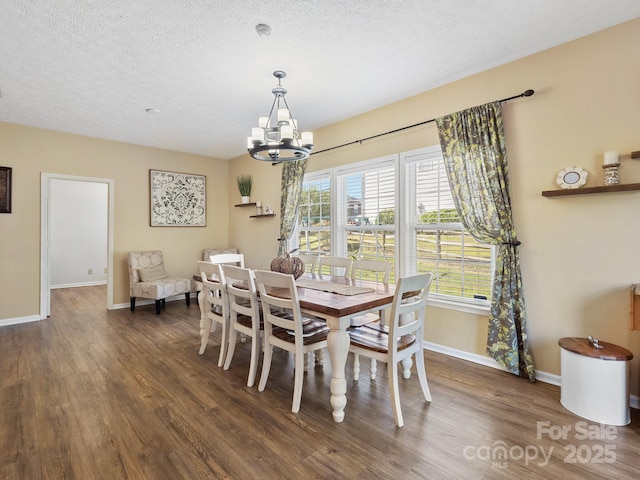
(610, 157)
(258, 134)
(286, 132)
(307, 139)
(283, 115)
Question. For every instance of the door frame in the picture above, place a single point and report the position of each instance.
(45, 275)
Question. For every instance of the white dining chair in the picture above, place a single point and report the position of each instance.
(334, 265)
(285, 327)
(216, 308)
(379, 269)
(310, 261)
(244, 315)
(228, 259)
(401, 340)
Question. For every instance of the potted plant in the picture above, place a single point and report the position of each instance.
(244, 186)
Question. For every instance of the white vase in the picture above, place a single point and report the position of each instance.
(245, 199)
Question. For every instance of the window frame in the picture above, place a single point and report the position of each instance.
(405, 221)
(342, 227)
(314, 177)
(409, 226)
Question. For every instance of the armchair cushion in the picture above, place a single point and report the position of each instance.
(150, 274)
(162, 288)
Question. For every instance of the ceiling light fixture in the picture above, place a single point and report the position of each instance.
(276, 138)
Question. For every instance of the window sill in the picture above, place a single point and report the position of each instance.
(482, 307)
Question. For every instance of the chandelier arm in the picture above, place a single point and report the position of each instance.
(275, 99)
(288, 109)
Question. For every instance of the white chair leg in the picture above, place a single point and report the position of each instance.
(422, 375)
(406, 367)
(266, 366)
(297, 384)
(394, 393)
(253, 365)
(205, 332)
(224, 342)
(231, 349)
(356, 366)
(374, 368)
(309, 360)
(319, 357)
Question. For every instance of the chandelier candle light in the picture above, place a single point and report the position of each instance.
(276, 138)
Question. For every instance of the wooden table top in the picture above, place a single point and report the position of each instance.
(609, 351)
(339, 305)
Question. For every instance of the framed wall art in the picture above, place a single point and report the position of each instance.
(177, 199)
(5, 189)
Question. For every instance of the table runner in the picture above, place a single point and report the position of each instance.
(333, 287)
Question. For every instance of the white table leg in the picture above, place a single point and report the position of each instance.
(338, 346)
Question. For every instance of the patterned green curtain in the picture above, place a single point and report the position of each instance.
(476, 162)
(291, 185)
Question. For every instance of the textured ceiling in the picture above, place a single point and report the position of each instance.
(93, 67)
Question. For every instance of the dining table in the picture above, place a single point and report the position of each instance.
(337, 300)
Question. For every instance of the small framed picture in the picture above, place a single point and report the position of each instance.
(268, 210)
(5, 189)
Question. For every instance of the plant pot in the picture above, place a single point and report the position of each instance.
(245, 199)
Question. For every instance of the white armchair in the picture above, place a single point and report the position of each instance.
(148, 279)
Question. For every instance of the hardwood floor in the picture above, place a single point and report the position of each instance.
(96, 394)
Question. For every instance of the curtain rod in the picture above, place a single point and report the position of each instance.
(526, 93)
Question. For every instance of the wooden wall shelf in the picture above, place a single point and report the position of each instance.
(250, 204)
(263, 215)
(582, 191)
(635, 307)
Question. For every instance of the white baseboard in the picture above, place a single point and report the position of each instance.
(82, 284)
(490, 362)
(15, 321)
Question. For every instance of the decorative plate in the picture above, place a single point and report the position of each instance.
(572, 177)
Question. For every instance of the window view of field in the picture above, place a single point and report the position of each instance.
(462, 267)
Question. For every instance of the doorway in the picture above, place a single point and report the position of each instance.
(45, 237)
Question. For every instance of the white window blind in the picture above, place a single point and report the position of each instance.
(313, 231)
(437, 240)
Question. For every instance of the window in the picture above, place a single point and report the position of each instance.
(436, 240)
(398, 209)
(366, 206)
(313, 231)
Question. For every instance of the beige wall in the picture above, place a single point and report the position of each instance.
(31, 151)
(579, 254)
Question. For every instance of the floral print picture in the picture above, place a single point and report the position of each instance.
(177, 199)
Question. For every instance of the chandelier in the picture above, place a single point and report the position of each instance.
(276, 138)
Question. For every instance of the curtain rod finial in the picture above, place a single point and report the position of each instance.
(528, 93)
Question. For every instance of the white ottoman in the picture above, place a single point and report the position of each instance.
(595, 381)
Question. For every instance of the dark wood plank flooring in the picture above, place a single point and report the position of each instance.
(96, 394)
